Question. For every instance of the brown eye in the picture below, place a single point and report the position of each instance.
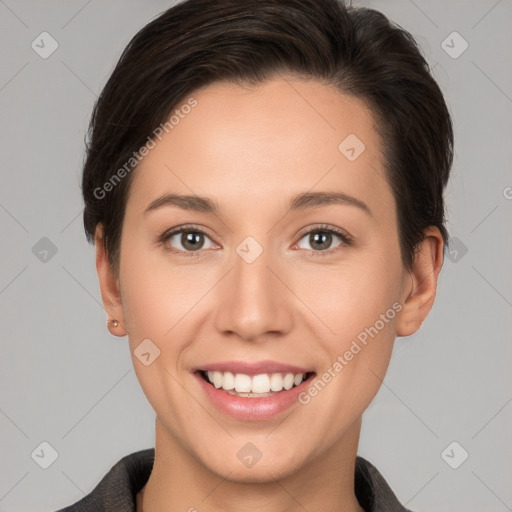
(321, 239)
(186, 240)
(192, 240)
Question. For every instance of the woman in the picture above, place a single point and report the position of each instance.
(264, 187)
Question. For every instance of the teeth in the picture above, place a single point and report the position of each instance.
(288, 381)
(262, 384)
(228, 381)
(276, 382)
(242, 383)
(217, 379)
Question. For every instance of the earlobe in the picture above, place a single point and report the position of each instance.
(419, 295)
(109, 286)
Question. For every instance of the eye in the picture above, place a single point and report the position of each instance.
(187, 239)
(320, 239)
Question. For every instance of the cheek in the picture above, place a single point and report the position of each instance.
(352, 296)
(157, 293)
(360, 304)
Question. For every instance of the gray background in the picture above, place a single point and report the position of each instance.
(67, 382)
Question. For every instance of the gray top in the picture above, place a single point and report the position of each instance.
(117, 490)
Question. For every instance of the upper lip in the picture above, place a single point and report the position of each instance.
(255, 368)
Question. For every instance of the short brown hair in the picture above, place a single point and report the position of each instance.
(198, 42)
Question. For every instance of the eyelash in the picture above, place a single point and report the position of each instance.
(323, 228)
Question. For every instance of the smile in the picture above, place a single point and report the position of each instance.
(252, 391)
(257, 386)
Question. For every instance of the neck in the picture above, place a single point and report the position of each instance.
(180, 481)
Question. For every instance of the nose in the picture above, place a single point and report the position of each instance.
(254, 304)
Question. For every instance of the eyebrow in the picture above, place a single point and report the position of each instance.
(299, 202)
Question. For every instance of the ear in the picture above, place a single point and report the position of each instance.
(418, 296)
(109, 286)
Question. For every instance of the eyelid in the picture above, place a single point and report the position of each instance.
(326, 227)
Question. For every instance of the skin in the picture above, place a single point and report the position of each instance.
(251, 150)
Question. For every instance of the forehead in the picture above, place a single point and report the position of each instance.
(272, 140)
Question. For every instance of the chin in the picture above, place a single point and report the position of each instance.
(243, 462)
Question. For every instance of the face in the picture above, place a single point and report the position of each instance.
(257, 286)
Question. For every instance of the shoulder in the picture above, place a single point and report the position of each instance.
(372, 490)
(117, 490)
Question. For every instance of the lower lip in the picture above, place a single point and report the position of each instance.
(252, 409)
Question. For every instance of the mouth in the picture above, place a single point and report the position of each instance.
(252, 391)
(256, 386)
